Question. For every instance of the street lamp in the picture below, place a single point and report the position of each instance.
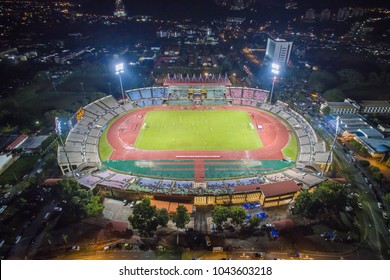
(118, 70)
(275, 70)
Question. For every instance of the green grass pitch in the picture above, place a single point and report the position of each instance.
(198, 130)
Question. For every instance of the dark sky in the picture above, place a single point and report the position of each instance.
(207, 8)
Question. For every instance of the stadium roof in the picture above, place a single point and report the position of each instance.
(272, 189)
(17, 142)
(34, 142)
(170, 206)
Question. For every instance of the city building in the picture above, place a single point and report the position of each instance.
(310, 15)
(278, 51)
(341, 108)
(325, 14)
(350, 106)
(119, 9)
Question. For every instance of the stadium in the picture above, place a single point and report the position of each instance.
(198, 141)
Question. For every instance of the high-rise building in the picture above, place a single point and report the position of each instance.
(278, 51)
(119, 9)
(343, 13)
(325, 14)
(310, 15)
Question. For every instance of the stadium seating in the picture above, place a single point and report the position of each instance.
(261, 95)
(160, 92)
(184, 184)
(236, 92)
(148, 102)
(134, 94)
(147, 182)
(248, 93)
(146, 93)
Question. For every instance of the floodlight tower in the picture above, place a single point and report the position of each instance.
(118, 70)
(330, 157)
(275, 70)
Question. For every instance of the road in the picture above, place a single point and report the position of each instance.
(375, 227)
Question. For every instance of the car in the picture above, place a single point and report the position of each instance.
(74, 248)
(245, 206)
(132, 204)
(257, 204)
(384, 215)
(380, 205)
(258, 255)
(125, 202)
(57, 209)
(348, 208)
(251, 205)
(17, 239)
(107, 248)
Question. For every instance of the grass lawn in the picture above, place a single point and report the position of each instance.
(104, 147)
(290, 151)
(17, 170)
(198, 130)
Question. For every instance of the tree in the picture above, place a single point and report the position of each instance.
(254, 221)
(350, 76)
(220, 215)
(162, 217)
(387, 197)
(326, 110)
(237, 214)
(94, 207)
(376, 174)
(305, 205)
(364, 163)
(334, 95)
(321, 81)
(79, 203)
(331, 195)
(181, 217)
(144, 217)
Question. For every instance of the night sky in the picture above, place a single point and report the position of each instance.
(207, 8)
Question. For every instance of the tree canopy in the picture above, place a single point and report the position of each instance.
(237, 214)
(220, 215)
(78, 203)
(144, 217)
(327, 198)
(181, 217)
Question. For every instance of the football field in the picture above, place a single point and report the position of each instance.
(197, 130)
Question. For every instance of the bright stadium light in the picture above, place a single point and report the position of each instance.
(275, 70)
(119, 68)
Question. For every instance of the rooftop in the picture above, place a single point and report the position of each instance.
(272, 189)
(375, 103)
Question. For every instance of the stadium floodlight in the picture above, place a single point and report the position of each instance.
(119, 68)
(275, 70)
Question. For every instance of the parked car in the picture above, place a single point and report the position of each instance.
(125, 202)
(74, 248)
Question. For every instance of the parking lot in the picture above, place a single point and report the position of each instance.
(114, 210)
